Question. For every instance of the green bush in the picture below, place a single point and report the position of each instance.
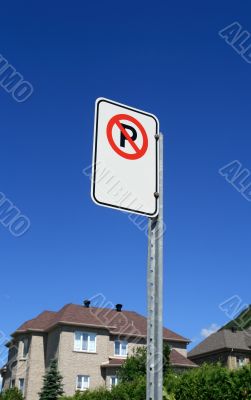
(242, 383)
(99, 394)
(11, 394)
(213, 382)
(135, 390)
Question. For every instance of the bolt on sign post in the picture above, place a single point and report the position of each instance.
(128, 175)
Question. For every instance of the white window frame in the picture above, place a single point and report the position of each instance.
(89, 334)
(83, 389)
(21, 388)
(121, 342)
(116, 381)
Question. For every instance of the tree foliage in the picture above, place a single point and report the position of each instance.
(135, 365)
(211, 382)
(11, 394)
(52, 383)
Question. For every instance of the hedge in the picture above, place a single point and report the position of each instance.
(209, 382)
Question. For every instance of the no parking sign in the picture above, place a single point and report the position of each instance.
(125, 158)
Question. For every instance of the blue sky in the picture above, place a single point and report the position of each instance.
(163, 57)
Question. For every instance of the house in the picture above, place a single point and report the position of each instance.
(90, 344)
(230, 347)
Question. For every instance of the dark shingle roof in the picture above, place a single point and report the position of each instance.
(118, 323)
(113, 363)
(223, 339)
(178, 360)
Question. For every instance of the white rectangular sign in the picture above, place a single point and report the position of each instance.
(125, 158)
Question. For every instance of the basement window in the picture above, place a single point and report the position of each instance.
(83, 382)
(113, 381)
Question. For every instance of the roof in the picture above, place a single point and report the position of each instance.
(128, 323)
(113, 362)
(176, 360)
(242, 321)
(223, 339)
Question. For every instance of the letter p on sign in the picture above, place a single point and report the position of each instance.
(125, 158)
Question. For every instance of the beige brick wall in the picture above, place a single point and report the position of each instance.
(36, 367)
(52, 346)
(73, 363)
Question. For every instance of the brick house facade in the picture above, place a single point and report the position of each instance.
(89, 343)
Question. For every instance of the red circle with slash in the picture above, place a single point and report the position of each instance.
(116, 121)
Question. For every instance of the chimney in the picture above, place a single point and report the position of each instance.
(119, 307)
(87, 303)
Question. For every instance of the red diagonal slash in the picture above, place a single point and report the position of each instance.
(139, 152)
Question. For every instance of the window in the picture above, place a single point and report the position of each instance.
(25, 347)
(240, 361)
(85, 341)
(21, 385)
(12, 383)
(113, 381)
(121, 348)
(83, 382)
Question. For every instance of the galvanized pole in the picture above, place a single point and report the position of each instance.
(155, 295)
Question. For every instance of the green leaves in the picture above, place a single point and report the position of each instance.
(134, 367)
(11, 394)
(214, 382)
(52, 386)
(209, 382)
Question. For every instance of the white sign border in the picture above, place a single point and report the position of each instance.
(94, 158)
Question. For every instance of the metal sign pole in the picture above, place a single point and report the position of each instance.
(155, 296)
